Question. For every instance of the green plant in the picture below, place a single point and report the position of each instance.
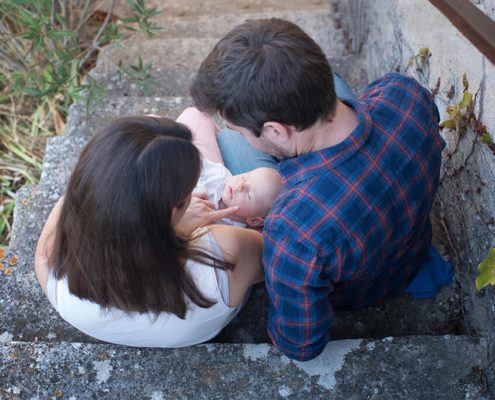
(486, 271)
(461, 115)
(19, 163)
(139, 73)
(46, 48)
(421, 64)
(142, 17)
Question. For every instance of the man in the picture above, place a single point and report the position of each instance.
(351, 225)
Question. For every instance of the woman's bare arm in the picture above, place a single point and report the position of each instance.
(243, 248)
(45, 243)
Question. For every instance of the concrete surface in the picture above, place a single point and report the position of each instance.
(418, 368)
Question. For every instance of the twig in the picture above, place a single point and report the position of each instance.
(84, 14)
(63, 13)
(449, 237)
(13, 65)
(52, 15)
(94, 45)
(52, 25)
(13, 39)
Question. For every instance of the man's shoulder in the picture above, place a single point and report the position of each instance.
(396, 96)
(398, 88)
(394, 78)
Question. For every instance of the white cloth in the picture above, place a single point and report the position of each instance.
(143, 329)
(212, 181)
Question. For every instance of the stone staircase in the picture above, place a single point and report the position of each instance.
(402, 349)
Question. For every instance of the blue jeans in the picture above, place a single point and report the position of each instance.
(239, 156)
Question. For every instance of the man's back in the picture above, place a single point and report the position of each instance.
(351, 224)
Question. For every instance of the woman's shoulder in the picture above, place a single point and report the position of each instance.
(235, 241)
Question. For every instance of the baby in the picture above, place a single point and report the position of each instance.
(254, 191)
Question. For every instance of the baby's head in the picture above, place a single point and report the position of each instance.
(254, 192)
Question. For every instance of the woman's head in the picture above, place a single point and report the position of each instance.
(115, 240)
(136, 169)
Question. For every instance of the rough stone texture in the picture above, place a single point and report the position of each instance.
(408, 368)
(216, 25)
(387, 36)
(177, 57)
(83, 124)
(211, 8)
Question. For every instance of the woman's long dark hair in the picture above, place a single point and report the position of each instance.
(115, 241)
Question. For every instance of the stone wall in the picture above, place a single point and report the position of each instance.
(389, 35)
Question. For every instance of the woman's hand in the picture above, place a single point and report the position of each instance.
(201, 212)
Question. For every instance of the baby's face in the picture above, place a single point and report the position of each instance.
(254, 192)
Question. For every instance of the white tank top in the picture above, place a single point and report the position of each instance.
(145, 329)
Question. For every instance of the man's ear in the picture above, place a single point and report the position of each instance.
(255, 221)
(276, 132)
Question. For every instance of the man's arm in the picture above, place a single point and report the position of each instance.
(300, 313)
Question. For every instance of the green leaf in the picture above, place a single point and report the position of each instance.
(32, 92)
(486, 138)
(467, 100)
(465, 82)
(486, 271)
(60, 34)
(37, 114)
(424, 52)
(38, 40)
(449, 124)
(130, 20)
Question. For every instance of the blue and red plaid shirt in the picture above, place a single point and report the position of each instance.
(351, 225)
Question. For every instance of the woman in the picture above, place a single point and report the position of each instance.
(114, 257)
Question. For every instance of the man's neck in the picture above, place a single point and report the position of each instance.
(328, 133)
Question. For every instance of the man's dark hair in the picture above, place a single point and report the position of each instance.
(266, 70)
(115, 241)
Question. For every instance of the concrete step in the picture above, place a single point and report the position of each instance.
(197, 9)
(313, 20)
(61, 155)
(176, 56)
(401, 316)
(28, 316)
(83, 124)
(414, 368)
(175, 79)
(184, 38)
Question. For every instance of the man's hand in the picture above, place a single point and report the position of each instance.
(201, 212)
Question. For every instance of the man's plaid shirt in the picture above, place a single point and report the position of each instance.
(351, 225)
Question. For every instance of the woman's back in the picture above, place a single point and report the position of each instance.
(147, 329)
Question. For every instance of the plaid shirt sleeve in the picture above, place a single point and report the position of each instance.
(300, 314)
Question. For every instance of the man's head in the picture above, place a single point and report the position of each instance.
(266, 70)
(254, 192)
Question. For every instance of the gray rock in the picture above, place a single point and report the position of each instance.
(84, 124)
(446, 367)
(176, 58)
(196, 9)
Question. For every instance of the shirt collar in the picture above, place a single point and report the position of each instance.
(296, 169)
